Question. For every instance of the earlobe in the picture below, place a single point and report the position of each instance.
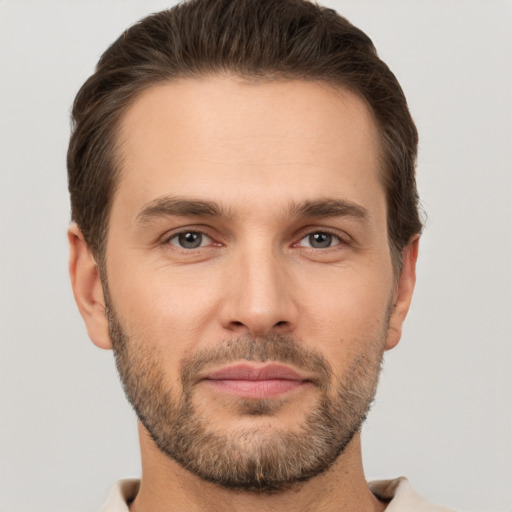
(403, 292)
(87, 289)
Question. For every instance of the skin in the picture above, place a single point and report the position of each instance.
(257, 151)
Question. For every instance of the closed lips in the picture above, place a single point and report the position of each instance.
(254, 373)
(249, 381)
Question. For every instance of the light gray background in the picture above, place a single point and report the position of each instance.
(443, 415)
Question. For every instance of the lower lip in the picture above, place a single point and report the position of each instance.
(257, 389)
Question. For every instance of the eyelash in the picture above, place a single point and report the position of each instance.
(332, 236)
(175, 236)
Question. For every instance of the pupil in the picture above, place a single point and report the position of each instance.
(320, 240)
(190, 240)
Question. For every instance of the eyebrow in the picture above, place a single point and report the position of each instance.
(328, 208)
(168, 206)
(179, 207)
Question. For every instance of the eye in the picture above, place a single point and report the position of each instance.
(190, 240)
(319, 240)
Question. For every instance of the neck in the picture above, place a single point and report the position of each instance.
(165, 485)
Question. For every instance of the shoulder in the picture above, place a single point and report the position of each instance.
(123, 492)
(399, 493)
(403, 497)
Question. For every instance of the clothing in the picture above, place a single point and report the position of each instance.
(402, 496)
(399, 491)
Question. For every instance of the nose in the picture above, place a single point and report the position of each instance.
(259, 296)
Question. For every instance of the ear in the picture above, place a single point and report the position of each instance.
(87, 289)
(403, 292)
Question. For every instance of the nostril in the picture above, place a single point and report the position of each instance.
(281, 323)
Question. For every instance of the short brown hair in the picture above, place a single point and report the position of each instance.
(257, 39)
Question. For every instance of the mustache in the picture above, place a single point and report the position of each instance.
(275, 347)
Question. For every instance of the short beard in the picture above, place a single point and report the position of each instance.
(254, 460)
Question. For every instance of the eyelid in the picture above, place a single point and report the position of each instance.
(174, 233)
(344, 238)
(206, 240)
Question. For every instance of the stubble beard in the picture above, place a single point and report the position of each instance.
(250, 460)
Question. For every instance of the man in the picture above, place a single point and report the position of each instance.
(245, 237)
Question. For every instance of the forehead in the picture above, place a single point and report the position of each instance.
(224, 138)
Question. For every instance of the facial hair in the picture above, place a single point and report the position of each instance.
(250, 460)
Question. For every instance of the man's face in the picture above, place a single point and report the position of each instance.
(250, 284)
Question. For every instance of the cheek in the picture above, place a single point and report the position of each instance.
(347, 311)
(164, 309)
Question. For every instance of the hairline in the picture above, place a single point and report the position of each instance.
(338, 87)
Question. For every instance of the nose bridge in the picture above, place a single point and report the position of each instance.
(260, 297)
